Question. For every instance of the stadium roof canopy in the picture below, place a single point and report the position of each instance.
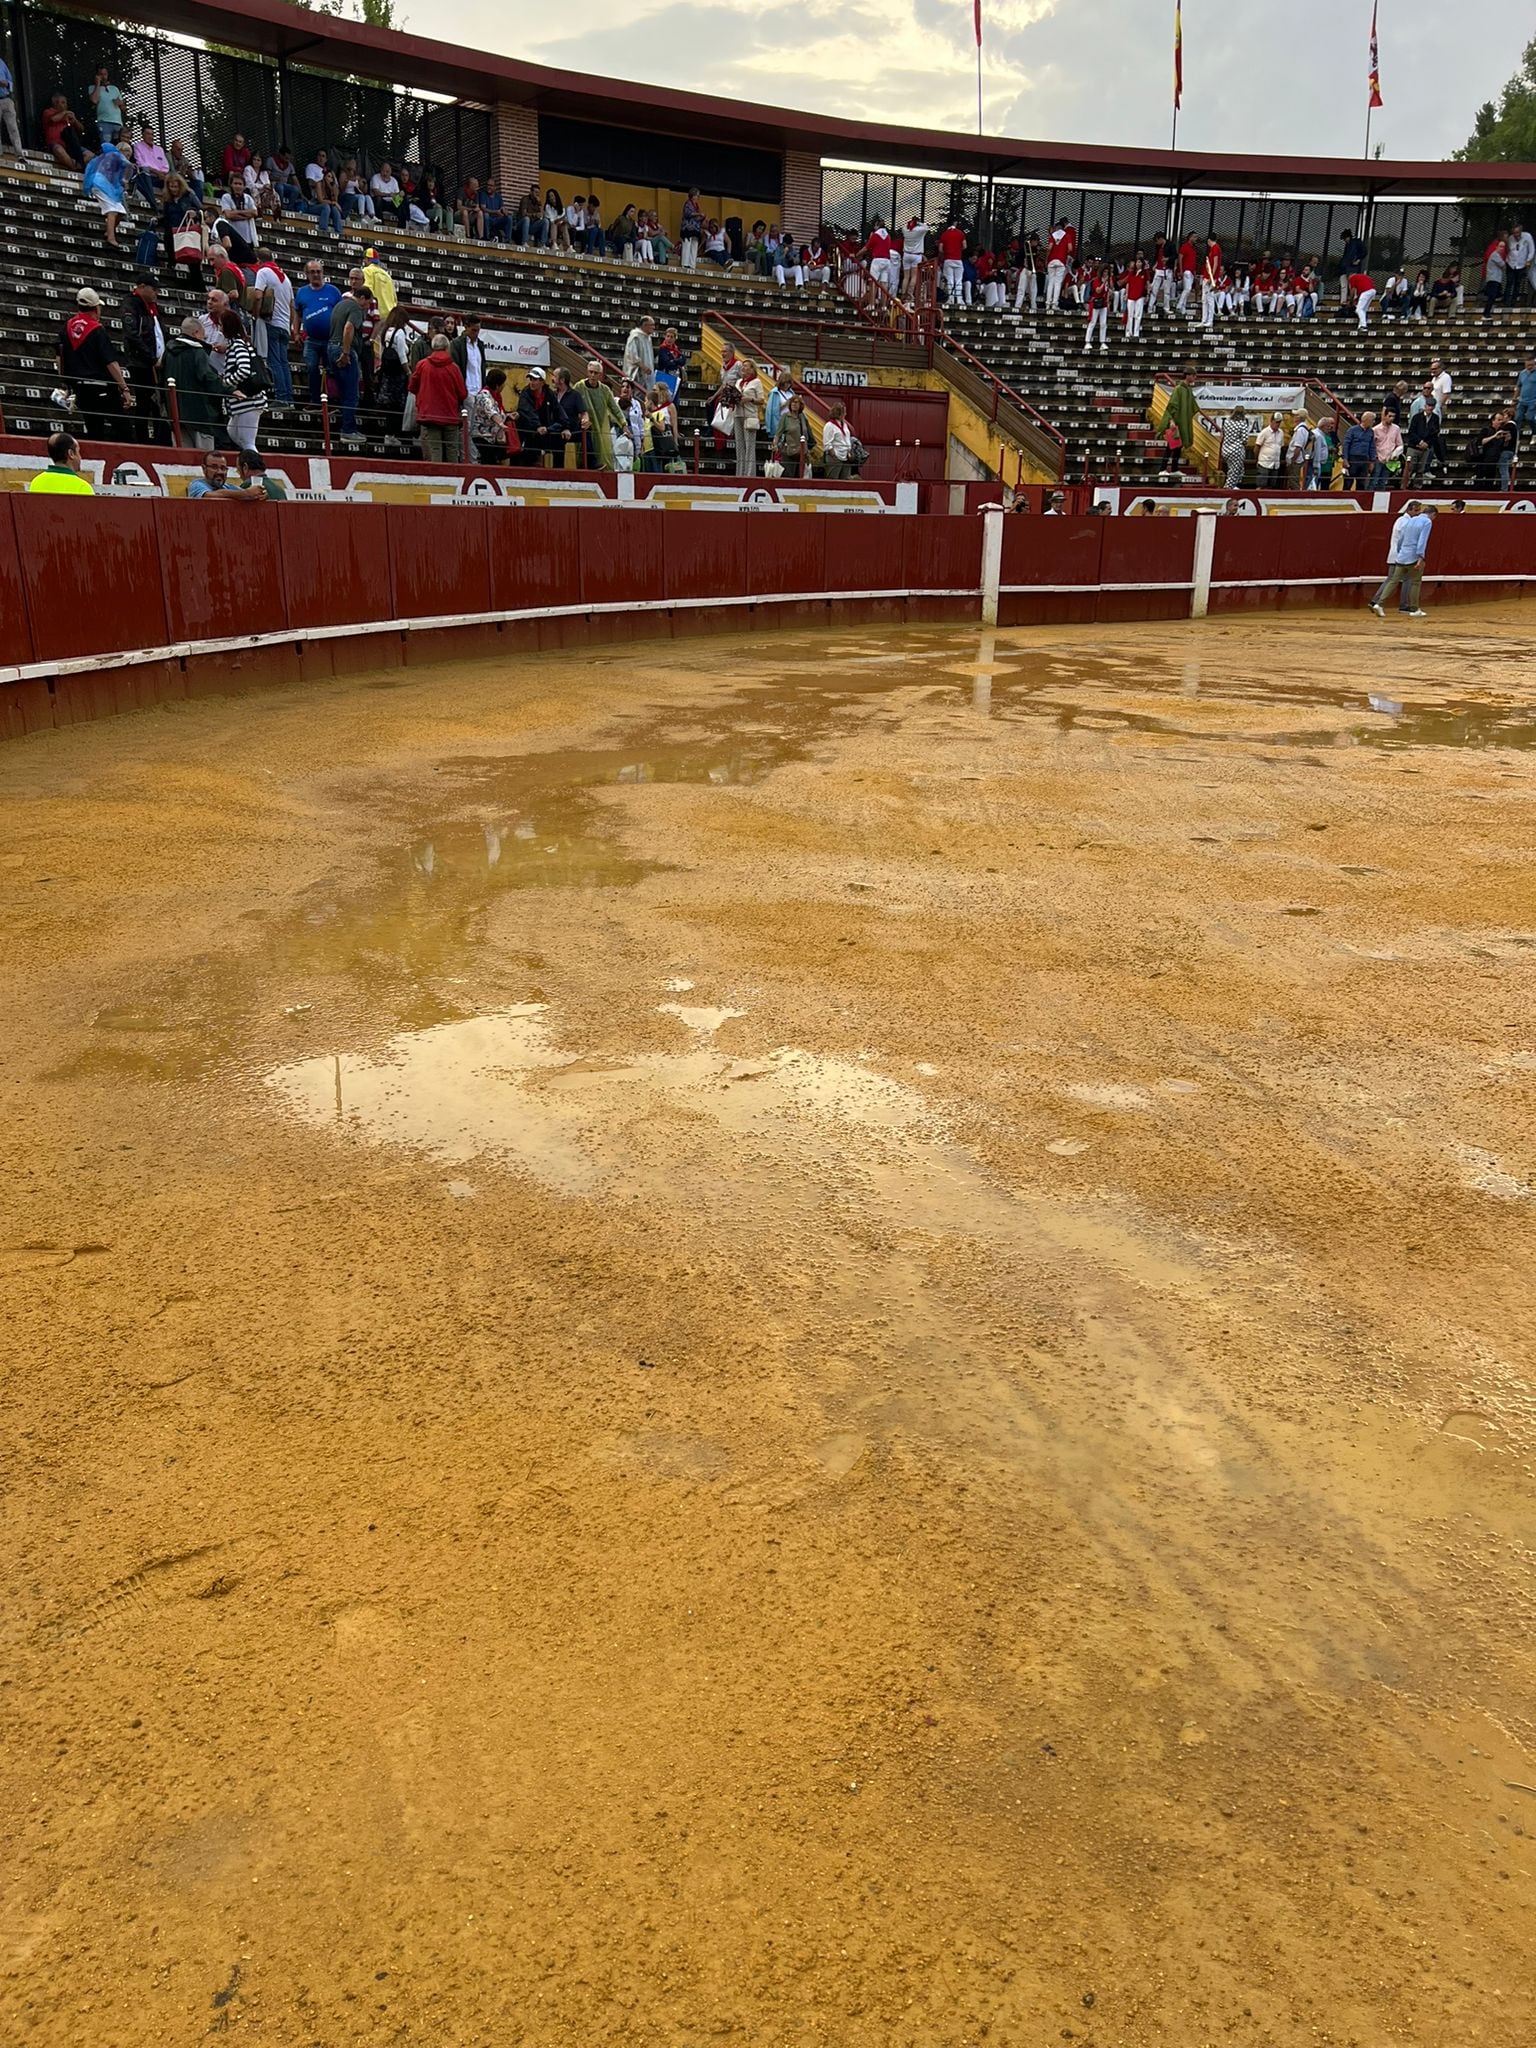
(279, 29)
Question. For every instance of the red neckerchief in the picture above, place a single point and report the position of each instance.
(80, 326)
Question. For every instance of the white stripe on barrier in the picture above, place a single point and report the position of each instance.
(295, 636)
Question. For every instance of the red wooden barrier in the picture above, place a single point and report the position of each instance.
(940, 553)
(224, 572)
(440, 569)
(1062, 555)
(92, 574)
(1139, 551)
(15, 628)
(336, 572)
(1247, 553)
(536, 559)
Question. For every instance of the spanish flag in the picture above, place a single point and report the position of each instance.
(1178, 54)
(1376, 99)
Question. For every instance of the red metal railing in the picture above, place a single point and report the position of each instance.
(1027, 426)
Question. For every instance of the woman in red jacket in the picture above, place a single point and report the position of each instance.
(438, 387)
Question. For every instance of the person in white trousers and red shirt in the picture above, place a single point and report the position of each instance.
(1137, 285)
(1099, 289)
(884, 268)
(1364, 289)
(1189, 264)
(1210, 282)
(952, 256)
(1059, 253)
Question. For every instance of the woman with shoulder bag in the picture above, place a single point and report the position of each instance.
(247, 380)
(837, 444)
(660, 450)
(792, 438)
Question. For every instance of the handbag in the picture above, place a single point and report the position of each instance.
(146, 250)
(408, 414)
(773, 469)
(187, 243)
(723, 418)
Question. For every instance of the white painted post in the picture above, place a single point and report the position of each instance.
(1205, 550)
(991, 561)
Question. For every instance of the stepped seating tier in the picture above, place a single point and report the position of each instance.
(51, 244)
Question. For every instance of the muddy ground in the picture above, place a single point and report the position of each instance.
(812, 1340)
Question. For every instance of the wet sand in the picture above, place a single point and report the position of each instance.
(811, 1340)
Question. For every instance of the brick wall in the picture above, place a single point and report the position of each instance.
(517, 150)
(802, 193)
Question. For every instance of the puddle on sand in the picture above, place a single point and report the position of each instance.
(502, 1085)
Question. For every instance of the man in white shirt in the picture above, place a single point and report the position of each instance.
(1405, 559)
(274, 318)
(1440, 377)
(913, 244)
(239, 218)
(640, 356)
(1517, 264)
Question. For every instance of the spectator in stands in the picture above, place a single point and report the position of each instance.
(556, 233)
(1447, 290)
(257, 484)
(914, 246)
(1440, 378)
(1363, 285)
(603, 417)
(1495, 274)
(214, 481)
(313, 304)
(488, 419)
(629, 439)
(283, 176)
(792, 443)
(106, 180)
(199, 387)
(837, 443)
(1098, 290)
(1137, 285)
(328, 199)
(1525, 402)
(272, 312)
(660, 447)
(623, 234)
(1360, 451)
(437, 385)
(570, 406)
(1235, 429)
(1352, 255)
(184, 166)
(212, 322)
(1493, 449)
(245, 381)
(670, 362)
(237, 155)
(236, 225)
(143, 349)
(380, 283)
(1298, 455)
(388, 199)
(436, 212)
(10, 127)
(356, 199)
(1519, 255)
(1270, 453)
(640, 354)
(348, 321)
(592, 214)
(394, 346)
(692, 229)
(529, 220)
(107, 107)
(952, 261)
(469, 212)
(151, 166)
(1405, 560)
(1325, 453)
(538, 425)
(1060, 255)
(785, 261)
(1031, 268)
(1396, 297)
(62, 477)
(64, 135)
(717, 248)
(1418, 298)
(815, 261)
(1424, 448)
(468, 351)
(493, 211)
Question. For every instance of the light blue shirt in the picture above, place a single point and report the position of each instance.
(1410, 538)
(7, 83)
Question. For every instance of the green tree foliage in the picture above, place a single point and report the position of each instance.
(1506, 133)
(372, 13)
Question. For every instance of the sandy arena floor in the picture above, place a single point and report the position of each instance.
(821, 1342)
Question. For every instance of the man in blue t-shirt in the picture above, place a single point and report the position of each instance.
(313, 303)
(214, 481)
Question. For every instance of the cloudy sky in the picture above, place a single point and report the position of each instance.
(1258, 74)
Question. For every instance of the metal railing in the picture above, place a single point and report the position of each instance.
(1009, 410)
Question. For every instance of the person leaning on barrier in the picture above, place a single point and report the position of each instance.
(256, 483)
(538, 420)
(62, 477)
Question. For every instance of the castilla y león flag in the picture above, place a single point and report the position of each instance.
(1178, 54)
(1376, 99)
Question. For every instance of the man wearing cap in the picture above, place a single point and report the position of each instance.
(380, 283)
(1060, 251)
(143, 346)
(88, 363)
(538, 426)
(914, 243)
(62, 477)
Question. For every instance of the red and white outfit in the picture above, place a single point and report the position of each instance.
(993, 290)
(1098, 290)
(1189, 263)
(952, 257)
(1029, 277)
(1059, 252)
(1136, 288)
(1211, 274)
(1266, 289)
(1364, 289)
(883, 266)
(912, 245)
